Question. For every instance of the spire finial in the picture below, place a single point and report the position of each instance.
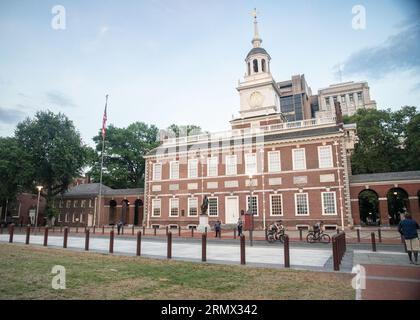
(256, 41)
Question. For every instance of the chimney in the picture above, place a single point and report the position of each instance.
(338, 113)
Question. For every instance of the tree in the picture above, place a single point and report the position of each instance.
(387, 140)
(55, 151)
(125, 148)
(15, 171)
(413, 143)
(176, 131)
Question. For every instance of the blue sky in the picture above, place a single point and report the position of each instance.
(179, 61)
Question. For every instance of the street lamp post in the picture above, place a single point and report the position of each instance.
(250, 211)
(37, 205)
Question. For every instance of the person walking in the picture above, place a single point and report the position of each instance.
(240, 227)
(119, 226)
(408, 229)
(217, 227)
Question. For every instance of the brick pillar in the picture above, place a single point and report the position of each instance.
(414, 208)
(383, 211)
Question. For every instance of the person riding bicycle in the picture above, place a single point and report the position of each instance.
(277, 228)
(318, 228)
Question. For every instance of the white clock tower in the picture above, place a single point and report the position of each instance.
(259, 95)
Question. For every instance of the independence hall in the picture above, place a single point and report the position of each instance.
(274, 169)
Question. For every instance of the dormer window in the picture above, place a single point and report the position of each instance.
(255, 63)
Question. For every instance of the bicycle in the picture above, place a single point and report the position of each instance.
(273, 236)
(320, 236)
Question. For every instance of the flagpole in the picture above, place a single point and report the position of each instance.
(102, 166)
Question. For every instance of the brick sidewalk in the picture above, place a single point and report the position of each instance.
(390, 282)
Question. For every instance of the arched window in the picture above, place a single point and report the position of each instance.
(263, 65)
(249, 68)
(255, 63)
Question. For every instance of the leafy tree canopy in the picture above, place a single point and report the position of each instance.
(55, 150)
(124, 164)
(388, 140)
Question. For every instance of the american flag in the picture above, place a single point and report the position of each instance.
(104, 119)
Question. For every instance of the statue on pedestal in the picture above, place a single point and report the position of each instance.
(204, 206)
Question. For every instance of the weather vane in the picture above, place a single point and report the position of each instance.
(254, 13)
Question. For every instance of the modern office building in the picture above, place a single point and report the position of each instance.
(295, 95)
(351, 95)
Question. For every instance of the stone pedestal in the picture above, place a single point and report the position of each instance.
(204, 223)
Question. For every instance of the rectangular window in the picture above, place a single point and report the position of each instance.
(75, 203)
(359, 96)
(274, 164)
(329, 205)
(156, 207)
(299, 159)
(343, 99)
(301, 204)
(60, 204)
(174, 207)
(192, 168)
(90, 203)
(59, 217)
(351, 97)
(66, 218)
(325, 157)
(192, 207)
(213, 207)
(276, 205)
(252, 202)
(81, 217)
(212, 163)
(250, 163)
(68, 203)
(157, 171)
(174, 170)
(82, 203)
(231, 165)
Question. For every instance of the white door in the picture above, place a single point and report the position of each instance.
(232, 209)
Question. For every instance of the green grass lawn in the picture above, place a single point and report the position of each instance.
(25, 273)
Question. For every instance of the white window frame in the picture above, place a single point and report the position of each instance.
(154, 207)
(229, 164)
(270, 166)
(82, 203)
(81, 217)
(323, 165)
(217, 207)
(75, 203)
(323, 203)
(173, 174)
(296, 204)
(170, 207)
(155, 176)
(210, 167)
(189, 206)
(247, 201)
(192, 164)
(249, 171)
(271, 205)
(294, 158)
(59, 217)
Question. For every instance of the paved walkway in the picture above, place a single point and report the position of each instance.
(391, 282)
(191, 251)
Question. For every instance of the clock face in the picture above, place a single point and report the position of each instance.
(256, 99)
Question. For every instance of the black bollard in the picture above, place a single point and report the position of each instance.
(204, 247)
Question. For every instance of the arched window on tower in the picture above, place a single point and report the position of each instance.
(249, 68)
(255, 63)
(263, 65)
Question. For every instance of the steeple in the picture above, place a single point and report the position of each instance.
(256, 41)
